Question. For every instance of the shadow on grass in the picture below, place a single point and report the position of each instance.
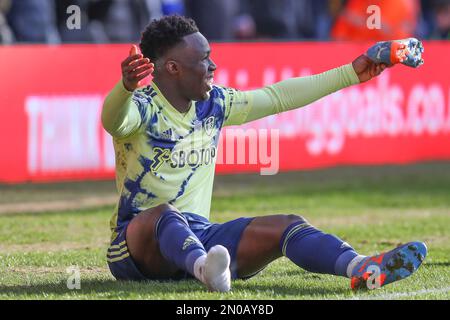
(93, 286)
(279, 290)
(438, 264)
(100, 289)
(310, 284)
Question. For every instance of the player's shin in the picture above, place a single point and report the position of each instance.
(177, 243)
(315, 251)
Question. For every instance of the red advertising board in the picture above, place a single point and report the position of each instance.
(52, 97)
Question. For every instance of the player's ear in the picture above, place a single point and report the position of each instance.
(172, 67)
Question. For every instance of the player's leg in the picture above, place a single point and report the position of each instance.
(252, 242)
(267, 238)
(143, 245)
(259, 244)
(270, 237)
(163, 246)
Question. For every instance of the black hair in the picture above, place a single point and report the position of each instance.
(165, 33)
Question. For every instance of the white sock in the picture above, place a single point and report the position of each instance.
(199, 264)
(214, 269)
(353, 264)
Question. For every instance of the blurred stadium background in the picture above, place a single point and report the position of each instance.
(369, 156)
(106, 21)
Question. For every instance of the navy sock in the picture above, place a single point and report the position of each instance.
(177, 243)
(315, 251)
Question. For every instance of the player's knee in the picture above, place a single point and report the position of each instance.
(149, 219)
(167, 214)
(164, 208)
(292, 218)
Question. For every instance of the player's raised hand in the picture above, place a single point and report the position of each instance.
(366, 69)
(387, 54)
(135, 68)
(405, 51)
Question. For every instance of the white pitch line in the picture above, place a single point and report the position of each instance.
(402, 294)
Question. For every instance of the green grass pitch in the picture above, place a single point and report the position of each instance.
(372, 208)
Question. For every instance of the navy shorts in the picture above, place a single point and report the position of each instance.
(227, 234)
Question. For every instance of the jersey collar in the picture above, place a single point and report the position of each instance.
(171, 109)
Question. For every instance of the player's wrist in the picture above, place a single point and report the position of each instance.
(350, 70)
(126, 86)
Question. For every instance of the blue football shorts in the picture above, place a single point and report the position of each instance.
(227, 234)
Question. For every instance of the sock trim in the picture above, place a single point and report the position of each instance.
(198, 265)
(291, 232)
(351, 266)
(192, 258)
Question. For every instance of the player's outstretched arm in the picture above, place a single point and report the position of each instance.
(298, 92)
(121, 117)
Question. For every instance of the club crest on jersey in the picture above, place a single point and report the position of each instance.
(209, 125)
(166, 134)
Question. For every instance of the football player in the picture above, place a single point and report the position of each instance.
(165, 138)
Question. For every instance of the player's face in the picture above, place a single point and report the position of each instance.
(197, 68)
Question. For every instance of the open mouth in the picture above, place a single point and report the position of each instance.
(209, 82)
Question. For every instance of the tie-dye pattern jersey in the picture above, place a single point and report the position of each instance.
(171, 157)
(164, 156)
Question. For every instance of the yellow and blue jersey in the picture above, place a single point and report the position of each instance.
(170, 157)
(165, 156)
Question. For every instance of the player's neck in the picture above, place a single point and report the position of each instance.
(172, 95)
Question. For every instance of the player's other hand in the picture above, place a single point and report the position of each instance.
(135, 68)
(366, 69)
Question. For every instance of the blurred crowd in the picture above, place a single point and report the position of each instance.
(110, 21)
